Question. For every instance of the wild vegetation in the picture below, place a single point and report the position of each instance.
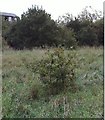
(53, 69)
(25, 95)
(37, 29)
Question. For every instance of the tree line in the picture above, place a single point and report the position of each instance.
(37, 29)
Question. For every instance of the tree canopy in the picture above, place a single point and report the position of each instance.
(37, 29)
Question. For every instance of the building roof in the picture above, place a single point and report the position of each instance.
(8, 14)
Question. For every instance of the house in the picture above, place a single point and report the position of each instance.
(9, 16)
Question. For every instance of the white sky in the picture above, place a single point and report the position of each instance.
(54, 7)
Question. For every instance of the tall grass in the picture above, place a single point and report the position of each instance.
(24, 96)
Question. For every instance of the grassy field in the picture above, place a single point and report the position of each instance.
(19, 84)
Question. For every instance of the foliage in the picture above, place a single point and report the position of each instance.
(99, 30)
(74, 24)
(67, 38)
(57, 70)
(63, 20)
(20, 84)
(6, 26)
(87, 36)
(5, 46)
(88, 27)
(88, 13)
(36, 28)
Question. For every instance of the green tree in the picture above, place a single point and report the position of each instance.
(99, 30)
(90, 14)
(74, 25)
(36, 28)
(67, 38)
(6, 26)
(87, 36)
(88, 27)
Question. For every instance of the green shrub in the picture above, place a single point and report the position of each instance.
(56, 71)
(67, 38)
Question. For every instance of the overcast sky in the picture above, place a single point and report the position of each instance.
(54, 7)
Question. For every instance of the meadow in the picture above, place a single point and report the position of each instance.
(20, 84)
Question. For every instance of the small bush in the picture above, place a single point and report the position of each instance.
(56, 70)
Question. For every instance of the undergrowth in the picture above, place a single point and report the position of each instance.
(24, 93)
